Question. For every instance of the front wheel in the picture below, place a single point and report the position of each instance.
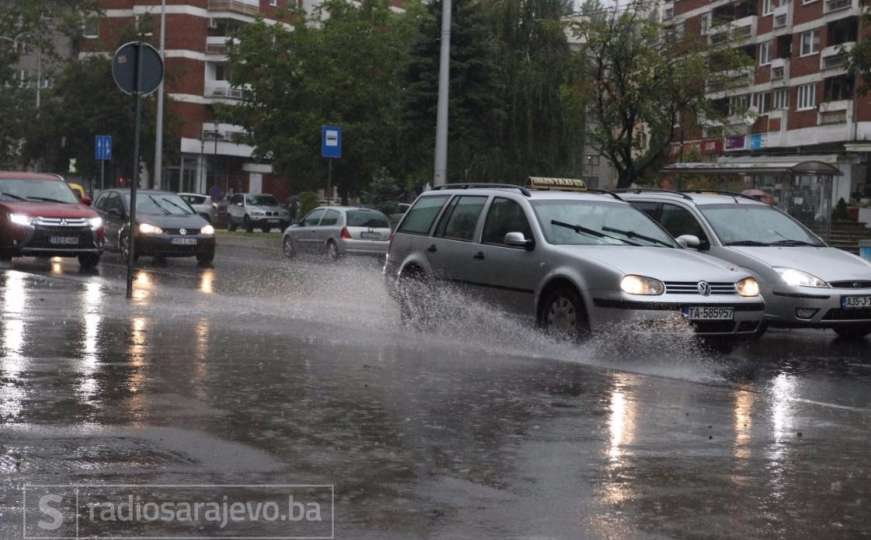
(853, 332)
(205, 259)
(563, 314)
(248, 224)
(414, 293)
(88, 261)
(231, 225)
(288, 248)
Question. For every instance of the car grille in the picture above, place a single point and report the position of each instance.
(838, 314)
(692, 287)
(59, 222)
(189, 231)
(851, 284)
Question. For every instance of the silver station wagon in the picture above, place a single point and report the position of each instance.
(337, 231)
(805, 282)
(576, 262)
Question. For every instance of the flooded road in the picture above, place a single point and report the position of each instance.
(268, 371)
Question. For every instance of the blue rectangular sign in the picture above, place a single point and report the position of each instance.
(103, 147)
(331, 142)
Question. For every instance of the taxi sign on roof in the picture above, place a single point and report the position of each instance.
(561, 184)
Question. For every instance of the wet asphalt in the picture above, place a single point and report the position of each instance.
(265, 371)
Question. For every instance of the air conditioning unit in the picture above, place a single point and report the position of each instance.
(235, 93)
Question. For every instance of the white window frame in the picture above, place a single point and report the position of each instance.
(814, 42)
(767, 7)
(765, 59)
(806, 2)
(780, 99)
(96, 29)
(273, 3)
(806, 97)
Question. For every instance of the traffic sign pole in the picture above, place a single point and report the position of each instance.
(131, 230)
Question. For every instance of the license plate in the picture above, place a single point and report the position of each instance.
(370, 236)
(184, 241)
(709, 313)
(855, 302)
(274, 221)
(64, 240)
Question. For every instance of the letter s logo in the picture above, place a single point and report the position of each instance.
(57, 518)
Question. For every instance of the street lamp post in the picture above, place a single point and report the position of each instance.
(158, 136)
(441, 149)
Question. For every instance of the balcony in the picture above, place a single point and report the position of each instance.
(223, 90)
(837, 5)
(738, 30)
(835, 56)
(219, 44)
(245, 7)
(779, 70)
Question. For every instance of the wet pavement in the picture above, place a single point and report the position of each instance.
(268, 371)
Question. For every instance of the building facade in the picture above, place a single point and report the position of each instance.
(196, 37)
(798, 100)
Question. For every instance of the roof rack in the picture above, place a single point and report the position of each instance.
(480, 185)
(605, 192)
(732, 194)
(655, 190)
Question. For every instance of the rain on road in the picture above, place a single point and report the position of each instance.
(268, 371)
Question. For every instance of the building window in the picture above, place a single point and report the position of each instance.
(762, 102)
(810, 42)
(807, 97)
(273, 3)
(838, 88)
(739, 104)
(767, 7)
(91, 28)
(765, 53)
(781, 98)
(221, 72)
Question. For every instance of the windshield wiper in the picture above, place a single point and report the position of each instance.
(746, 243)
(592, 232)
(182, 208)
(46, 199)
(13, 196)
(633, 234)
(165, 211)
(789, 242)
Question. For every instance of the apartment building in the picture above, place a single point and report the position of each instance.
(798, 100)
(197, 33)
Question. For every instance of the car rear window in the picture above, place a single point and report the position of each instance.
(419, 219)
(368, 218)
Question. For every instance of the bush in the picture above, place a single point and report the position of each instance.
(308, 201)
(840, 212)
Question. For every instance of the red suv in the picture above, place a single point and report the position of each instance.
(41, 216)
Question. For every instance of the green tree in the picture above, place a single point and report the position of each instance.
(640, 80)
(476, 110)
(543, 134)
(341, 70)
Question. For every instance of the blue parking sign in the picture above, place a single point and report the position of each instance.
(103, 147)
(331, 142)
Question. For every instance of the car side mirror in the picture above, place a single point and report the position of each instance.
(517, 239)
(690, 241)
(86, 200)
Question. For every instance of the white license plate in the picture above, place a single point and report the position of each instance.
(855, 302)
(184, 241)
(709, 313)
(64, 240)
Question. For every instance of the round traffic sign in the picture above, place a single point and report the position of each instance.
(124, 68)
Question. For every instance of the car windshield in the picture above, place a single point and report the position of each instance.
(162, 204)
(37, 191)
(581, 222)
(367, 218)
(261, 200)
(756, 225)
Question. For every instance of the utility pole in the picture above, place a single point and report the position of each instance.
(441, 149)
(158, 136)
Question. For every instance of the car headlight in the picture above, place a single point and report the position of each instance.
(21, 219)
(797, 278)
(147, 228)
(95, 223)
(207, 230)
(633, 284)
(747, 287)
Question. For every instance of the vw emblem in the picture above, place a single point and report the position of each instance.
(182, 231)
(704, 288)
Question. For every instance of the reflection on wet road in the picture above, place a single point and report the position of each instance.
(263, 370)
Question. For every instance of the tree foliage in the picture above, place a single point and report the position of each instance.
(640, 80)
(342, 70)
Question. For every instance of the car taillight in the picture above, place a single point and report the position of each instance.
(346, 234)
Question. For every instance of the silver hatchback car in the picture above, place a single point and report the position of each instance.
(337, 231)
(805, 283)
(575, 262)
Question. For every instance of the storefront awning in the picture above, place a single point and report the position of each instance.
(758, 167)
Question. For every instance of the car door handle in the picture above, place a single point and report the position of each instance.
(479, 256)
(432, 248)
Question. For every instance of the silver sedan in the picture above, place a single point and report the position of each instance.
(574, 262)
(337, 231)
